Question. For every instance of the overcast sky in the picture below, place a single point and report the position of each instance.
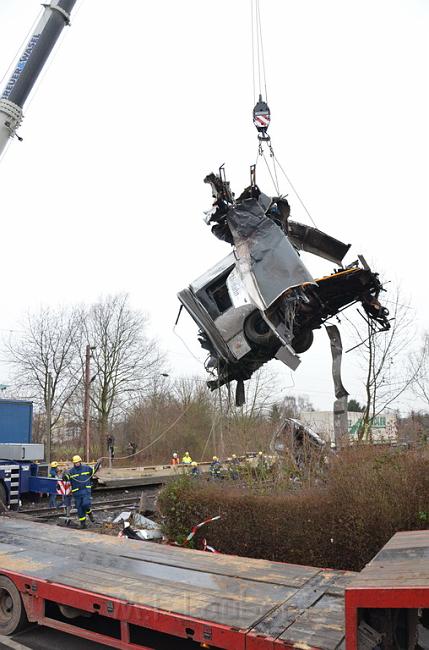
(142, 99)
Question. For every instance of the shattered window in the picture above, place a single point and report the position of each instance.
(219, 292)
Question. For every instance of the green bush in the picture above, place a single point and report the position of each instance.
(367, 495)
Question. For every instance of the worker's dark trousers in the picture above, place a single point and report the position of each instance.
(82, 500)
(52, 500)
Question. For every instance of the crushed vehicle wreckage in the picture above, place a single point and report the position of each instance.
(295, 439)
(260, 302)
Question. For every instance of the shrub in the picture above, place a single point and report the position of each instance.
(367, 495)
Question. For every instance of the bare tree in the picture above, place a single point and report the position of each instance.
(292, 406)
(420, 367)
(48, 346)
(384, 361)
(125, 359)
(249, 427)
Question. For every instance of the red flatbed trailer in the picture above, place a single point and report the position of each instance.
(389, 598)
(132, 595)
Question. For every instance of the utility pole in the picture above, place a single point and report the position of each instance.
(86, 399)
(48, 417)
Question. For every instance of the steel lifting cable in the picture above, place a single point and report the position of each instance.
(161, 435)
(258, 46)
(261, 112)
(274, 179)
(208, 440)
(261, 41)
(293, 189)
(258, 57)
(274, 168)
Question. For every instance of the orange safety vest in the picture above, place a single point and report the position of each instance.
(175, 461)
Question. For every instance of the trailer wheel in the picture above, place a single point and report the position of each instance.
(3, 497)
(13, 617)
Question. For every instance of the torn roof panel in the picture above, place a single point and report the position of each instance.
(268, 263)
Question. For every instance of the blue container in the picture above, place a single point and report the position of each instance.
(16, 418)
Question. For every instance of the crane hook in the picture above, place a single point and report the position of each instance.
(262, 118)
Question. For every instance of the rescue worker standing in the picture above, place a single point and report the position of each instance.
(175, 459)
(262, 465)
(186, 460)
(80, 476)
(233, 467)
(215, 468)
(53, 473)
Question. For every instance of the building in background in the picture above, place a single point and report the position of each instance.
(383, 429)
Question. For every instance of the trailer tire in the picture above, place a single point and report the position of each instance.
(13, 617)
(3, 497)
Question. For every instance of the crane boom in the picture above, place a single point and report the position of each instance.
(55, 16)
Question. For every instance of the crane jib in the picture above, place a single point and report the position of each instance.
(20, 66)
(54, 18)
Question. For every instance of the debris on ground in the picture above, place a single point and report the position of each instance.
(136, 526)
(151, 531)
(124, 516)
(144, 522)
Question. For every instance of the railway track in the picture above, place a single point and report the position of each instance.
(97, 506)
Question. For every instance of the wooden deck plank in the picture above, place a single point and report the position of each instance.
(316, 627)
(402, 563)
(253, 569)
(189, 600)
(268, 598)
(316, 597)
(149, 570)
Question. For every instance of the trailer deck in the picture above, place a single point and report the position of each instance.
(223, 601)
(396, 579)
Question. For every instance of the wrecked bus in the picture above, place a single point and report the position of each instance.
(260, 302)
